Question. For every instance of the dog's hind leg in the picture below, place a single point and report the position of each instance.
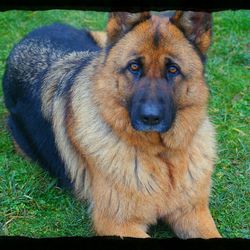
(19, 150)
(14, 130)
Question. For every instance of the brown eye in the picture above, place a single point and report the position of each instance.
(172, 70)
(134, 67)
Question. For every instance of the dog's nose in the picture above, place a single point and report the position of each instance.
(150, 115)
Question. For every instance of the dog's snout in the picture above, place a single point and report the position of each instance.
(150, 114)
(151, 107)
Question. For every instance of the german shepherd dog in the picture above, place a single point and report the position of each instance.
(124, 122)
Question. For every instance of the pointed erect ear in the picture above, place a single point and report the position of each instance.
(120, 23)
(196, 26)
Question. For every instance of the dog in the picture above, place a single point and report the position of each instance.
(120, 118)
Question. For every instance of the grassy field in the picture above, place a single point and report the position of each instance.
(31, 204)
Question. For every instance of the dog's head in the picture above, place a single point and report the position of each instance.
(154, 67)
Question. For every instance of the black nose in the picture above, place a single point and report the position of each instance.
(150, 114)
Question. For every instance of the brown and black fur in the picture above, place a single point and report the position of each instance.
(132, 171)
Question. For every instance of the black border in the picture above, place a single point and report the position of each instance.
(126, 5)
(6, 242)
(112, 243)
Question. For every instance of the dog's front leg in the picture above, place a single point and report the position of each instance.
(194, 223)
(114, 212)
(107, 226)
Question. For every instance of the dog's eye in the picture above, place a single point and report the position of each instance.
(172, 70)
(134, 68)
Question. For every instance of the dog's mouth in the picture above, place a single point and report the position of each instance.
(147, 128)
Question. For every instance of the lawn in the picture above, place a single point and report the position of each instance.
(32, 205)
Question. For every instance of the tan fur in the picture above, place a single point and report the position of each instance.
(100, 37)
(132, 178)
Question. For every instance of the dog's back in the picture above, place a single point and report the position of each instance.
(26, 67)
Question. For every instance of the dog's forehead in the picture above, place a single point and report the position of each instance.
(157, 36)
(159, 20)
(158, 26)
(155, 25)
(157, 30)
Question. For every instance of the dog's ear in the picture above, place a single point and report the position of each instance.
(196, 26)
(120, 23)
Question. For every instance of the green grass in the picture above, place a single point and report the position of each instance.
(31, 204)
